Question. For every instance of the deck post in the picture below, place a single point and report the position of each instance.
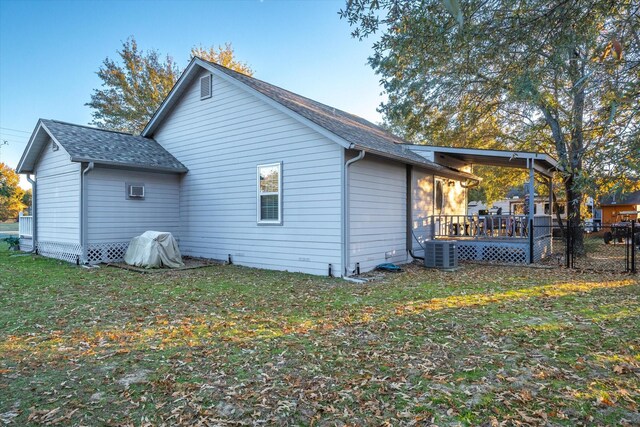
(633, 246)
(531, 237)
(532, 204)
(551, 199)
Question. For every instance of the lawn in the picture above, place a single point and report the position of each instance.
(8, 226)
(226, 345)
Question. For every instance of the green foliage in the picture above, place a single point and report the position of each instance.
(12, 241)
(543, 75)
(11, 193)
(224, 56)
(134, 87)
(27, 198)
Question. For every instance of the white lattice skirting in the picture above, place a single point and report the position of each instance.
(507, 252)
(106, 252)
(26, 244)
(504, 252)
(64, 251)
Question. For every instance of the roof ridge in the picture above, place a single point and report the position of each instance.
(351, 116)
(93, 128)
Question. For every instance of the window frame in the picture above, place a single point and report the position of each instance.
(259, 193)
(437, 181)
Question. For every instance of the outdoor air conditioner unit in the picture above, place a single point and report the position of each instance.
(440, 254)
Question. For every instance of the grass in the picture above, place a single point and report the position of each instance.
(232, 345)
(8, 226)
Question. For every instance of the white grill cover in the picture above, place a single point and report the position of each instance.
(154, 249)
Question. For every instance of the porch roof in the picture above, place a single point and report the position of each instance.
(544, 163)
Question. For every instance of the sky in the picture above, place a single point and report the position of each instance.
(50, 52)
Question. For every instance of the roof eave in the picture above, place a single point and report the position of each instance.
(438, 169)
(20, 168)
(168, 101)
(175, 92)
(553, 163)
(39, 126)
(150, 168)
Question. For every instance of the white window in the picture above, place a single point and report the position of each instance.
(270, 194)
(438, 197)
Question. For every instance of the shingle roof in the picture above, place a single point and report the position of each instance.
(84, 143)
(351, 128)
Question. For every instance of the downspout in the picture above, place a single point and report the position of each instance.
(345, 213)
(83, 211)
(34, 222)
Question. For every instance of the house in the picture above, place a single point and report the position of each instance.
(244, 171)
(515, 205)
(613, 205)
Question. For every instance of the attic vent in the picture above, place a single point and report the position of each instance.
(205, 87)
(54, 147)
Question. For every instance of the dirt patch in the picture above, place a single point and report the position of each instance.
(137, 377)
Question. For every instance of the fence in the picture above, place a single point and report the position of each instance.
(606, 248)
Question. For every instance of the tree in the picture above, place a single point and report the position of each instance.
(134, 87)
(132, 90)
(224, 56)
(10, 193)
(27, 198)
(556, 76)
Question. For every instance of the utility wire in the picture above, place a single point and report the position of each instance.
(8, 135)
(14, 130)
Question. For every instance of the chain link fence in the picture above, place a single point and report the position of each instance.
(606, 248)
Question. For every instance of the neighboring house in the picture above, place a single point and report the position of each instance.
(241, 170)
(515, 205)
(611, 207)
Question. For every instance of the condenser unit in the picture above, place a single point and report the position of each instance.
(440, 254)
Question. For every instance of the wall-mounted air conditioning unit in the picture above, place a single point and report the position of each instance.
(136, 191)
(440, 254)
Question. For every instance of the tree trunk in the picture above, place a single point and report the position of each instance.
(576, 150)
(556, 207)
(574, 229)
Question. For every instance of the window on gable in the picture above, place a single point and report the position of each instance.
(270, 193)
(205, 87)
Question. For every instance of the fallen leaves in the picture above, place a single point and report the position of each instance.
(232, 346)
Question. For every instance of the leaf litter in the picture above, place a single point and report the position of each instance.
(226, 345)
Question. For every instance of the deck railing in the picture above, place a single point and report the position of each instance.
(479, 227)
(25, 226)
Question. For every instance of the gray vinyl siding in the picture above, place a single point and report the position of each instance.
(58, 197)
(377, 217)
(111, 217)
(222, 140)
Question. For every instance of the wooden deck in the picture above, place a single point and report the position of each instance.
(491, 238)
